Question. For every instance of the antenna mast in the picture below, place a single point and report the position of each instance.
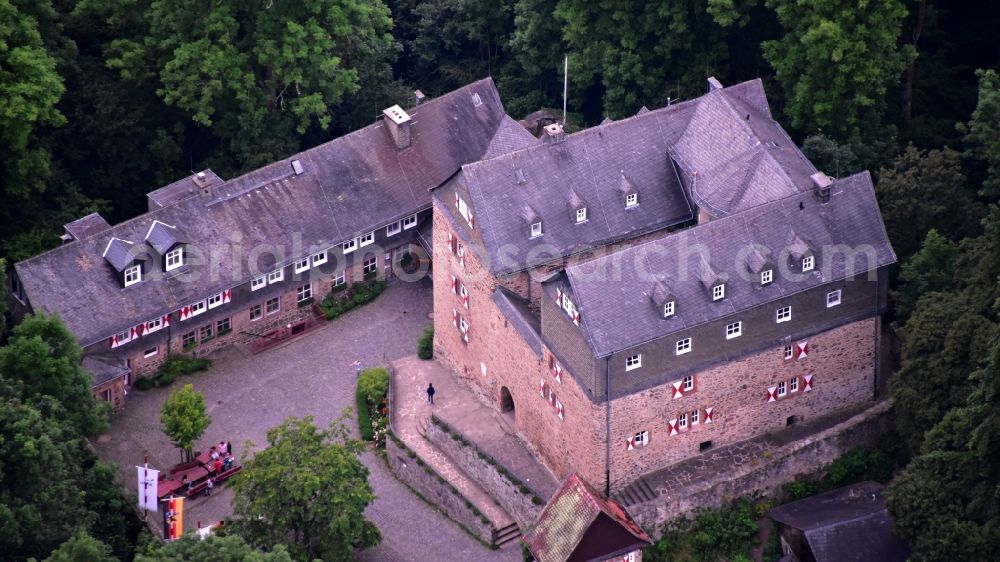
(565, 85)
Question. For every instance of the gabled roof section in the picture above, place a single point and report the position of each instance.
(618, 318)
(103, 368)
(162, 237)
(183, 188)
(118, 253)
(87, 226)
(510, 136)
(580, 524)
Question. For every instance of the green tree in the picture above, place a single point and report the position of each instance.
(929, 270)
(223, 549)
(184, 419)
(830, 156)
(836, 60)
(82, 548)
(982, 132)
(3, 298)
(537, 47)
(306, 490)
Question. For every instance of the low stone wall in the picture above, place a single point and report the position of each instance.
(411, 470)
(807, 457)
(516, 497)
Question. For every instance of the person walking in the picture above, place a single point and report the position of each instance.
(357, 367)
(229, 447)
(208, 486)
(430, 393)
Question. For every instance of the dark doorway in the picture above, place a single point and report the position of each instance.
(791, 420)
(507, 405)
(704, 446)
(298, 328)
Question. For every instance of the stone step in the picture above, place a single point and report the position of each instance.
(647, 491)
(507, 534)
(626, 497)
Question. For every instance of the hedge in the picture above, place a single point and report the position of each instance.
(425, 345)
(359, 294)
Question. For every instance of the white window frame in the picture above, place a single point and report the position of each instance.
(581, 215)
(808, 263)
(463, 209)
(411, 221)
(734, 330)
(349, 246)
(782, 389)
(695, 417)
(258, 283)
(267, 306)
(154, 325)
(683, 346)
(789, 353)
(319, 258)
(301, 265)
(197, 308)
(305, 292)
(173, 259)
(394, 228)
(536, 229)
(133, 275)
(668, 309)
(631, 200)
(276, 276)
(370, 265)
(215, 300)
(766, 276)
(633, 362)
(339, 279)
(682, 421)
(719, 292)
(688, 383)
(124, 337)
(260, 312)
(151, 351)
(366, 239)
(783, 314)
(833, 298)
(793, 384)
(641, 439)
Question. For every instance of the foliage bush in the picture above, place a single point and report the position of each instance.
(374, 383)
(183, 365)
(165, 379)
(143, 383)
(798, 489)
(425, 345)
(364, 418)
(359, 294)
(726, 533)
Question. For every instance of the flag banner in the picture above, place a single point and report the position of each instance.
(205, 532)
(148, 478)
(173, 518)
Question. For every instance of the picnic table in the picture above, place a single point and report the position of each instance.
(175, 482)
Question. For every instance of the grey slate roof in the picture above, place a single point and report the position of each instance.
(516, 310)
(119, 253)
(162, 237)
(616, 312)
(849, 524)
(182, 189)
(103, 368)
(510, 136)
(349, 186)
(85, 226)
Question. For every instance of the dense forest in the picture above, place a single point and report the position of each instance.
(102, 101)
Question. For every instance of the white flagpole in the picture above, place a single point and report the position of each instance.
(565, 86)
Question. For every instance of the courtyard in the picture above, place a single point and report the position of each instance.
(313, 375)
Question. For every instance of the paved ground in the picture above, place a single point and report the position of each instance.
(312, 375)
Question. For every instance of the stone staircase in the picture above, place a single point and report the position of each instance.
(635, 493)
(507, 534)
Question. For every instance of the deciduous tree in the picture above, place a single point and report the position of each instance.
(227, 548)
(184, 419)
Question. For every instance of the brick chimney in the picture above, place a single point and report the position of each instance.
(554, 133)
(398, 123)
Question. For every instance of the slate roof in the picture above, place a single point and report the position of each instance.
(85, 226)
(576, 511)
(516, 310)
(616, 312)
(349, 186)
(119, 253)
(849, 524)
(183, 188)
(103, 368)
(162, 237)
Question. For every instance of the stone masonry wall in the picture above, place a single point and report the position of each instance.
(518, 504)
(841, 362)
(806, 457)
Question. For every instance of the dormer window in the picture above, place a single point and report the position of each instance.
(174, 259)
(276, 276)
(668, 309)
(133, 275)
(411, 221)
(631, 200)
(258, 283)
(581, 215)
(766, 276)
(719, 292)
(536, 229)
(808, 263)
(319, 258)
(302, 265)
(366, 239)
(349, 246)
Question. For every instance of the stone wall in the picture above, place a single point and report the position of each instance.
(518, 503)
(807, 457)
(407, 467)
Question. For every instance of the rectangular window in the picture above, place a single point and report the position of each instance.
(683, 346)
(409, 222)
(734, 330)
(784, 314)
(349, 246)
(682, 421)
(319, 258)
(189, 339)
(273, 305)
(302, 265)
(304, 292)
(719, 292)
(807, 263)
(668, 309)
(581, 215)
(197, 308)
(633, 362)
(833, 298)
(258, 283)
(793, 384)
(463, 208)
(151, 352)
(788, 353)
(124, 337)
(223, 326)
(641, 439)
(338, 279)
(154, 325)
(766, 276)
(366, 239)
(393, 228)
(215, 300)
(688, 383)
(371, 265)
(536, 229)
(276, 276)
(205, 333)
(695, 415)
(174, 259)
(133, 275)
(632, 199)
(782, 388)
(256, 312)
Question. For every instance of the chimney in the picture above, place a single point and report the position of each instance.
(418, 98)
(554, 133)
(398, 123)
(714, 84)
(821, 186)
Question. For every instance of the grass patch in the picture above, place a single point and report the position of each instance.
(425, 345)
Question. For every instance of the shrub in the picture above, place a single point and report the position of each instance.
(425, 345)
(165, 379)
(535, 500)
(798, 489)
(183, 365)
(364, 418)
(374, 384)
(143, 383)
(360, 293)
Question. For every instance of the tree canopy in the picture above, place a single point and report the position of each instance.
(220, 548)
(184, 419)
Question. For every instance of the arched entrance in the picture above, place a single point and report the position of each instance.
(507, 405)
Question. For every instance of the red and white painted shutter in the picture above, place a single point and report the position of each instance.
(457, 198)
(678, 390)
(541, 387)
(672, 427)
(708, 415)
(557, 372)
(465, 300)
(227, 296)
(139, 329)
(166, 320)
(461, 261)
(576, 318)
(185, 312)
(559, 410)
(559, 296)
(802, 350)
(631, 443)
(807, 383)
(454, 284)
(114, 341)
(454, 317)
(472, 220)
(772, 393)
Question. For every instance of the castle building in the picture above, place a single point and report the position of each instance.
(645, 290)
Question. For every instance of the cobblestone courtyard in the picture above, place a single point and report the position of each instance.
(247, 395)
